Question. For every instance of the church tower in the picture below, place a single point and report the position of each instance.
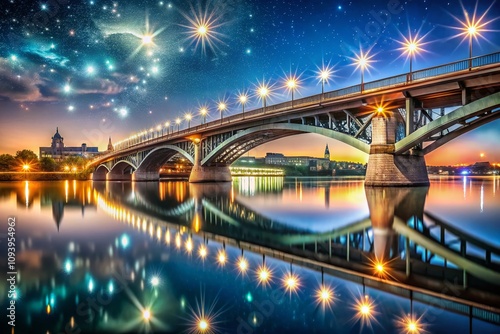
(57, 144)
(327, 152)
(110, 146)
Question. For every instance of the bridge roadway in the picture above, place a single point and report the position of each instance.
(347, 252)
(419, 113)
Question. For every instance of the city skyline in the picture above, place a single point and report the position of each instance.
(98, 70)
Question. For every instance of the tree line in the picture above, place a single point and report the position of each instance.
(17, 163)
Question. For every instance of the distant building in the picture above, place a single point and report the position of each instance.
(110, 146)
(314, 164)
(58, 151)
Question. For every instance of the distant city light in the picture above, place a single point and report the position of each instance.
(125, 241)
(68, 266)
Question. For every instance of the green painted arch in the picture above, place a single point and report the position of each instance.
(297, 128)
(461, 114)
(166, 147)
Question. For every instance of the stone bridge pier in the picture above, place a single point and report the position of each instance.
(199, 173)
(385, 168)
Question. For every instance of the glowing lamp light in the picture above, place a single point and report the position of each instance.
(202, 251)
(26, 167)
(243, 98)
(189, 245)
(472, 30)
(242, 265)
(380, 109)
(221, 257)
(177, 120)
(202, 30)
(125, 241)
(291, 84)
(291, 282)
(222, 106)
(324, 295)
(203, 325)
(263, 91)
(146, 314)
(68, 266)
(155, 281)
(91, 285)
(147, 39)
(203, 111)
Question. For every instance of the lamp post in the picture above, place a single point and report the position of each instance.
(263, 91)
(243, 98)
(204, 112)
(324, 75)
(178, 122)
(362, 61)
(222, 107)
(471, 30)
(167, 125)
(188, 118)
(291, 85)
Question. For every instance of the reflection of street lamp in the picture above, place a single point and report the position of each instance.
(222, 107)
(204, 112)
(243, 98)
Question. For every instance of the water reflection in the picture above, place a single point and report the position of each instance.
(137, 259)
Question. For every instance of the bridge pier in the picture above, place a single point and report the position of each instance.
(201, 173)
(386, 168)
(146, 176)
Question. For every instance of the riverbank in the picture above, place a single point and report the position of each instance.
(42, 176)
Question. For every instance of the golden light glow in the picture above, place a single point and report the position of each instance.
(203, 325)
(202, 29)
(324, 74)
(167, 124)
(222, 106)
(365, 309)
(409, 324)
(147, 39)
(264, 275)
(188, 117)
(243, 98)
(203, 111)
(291, 282)
(202, 252)
(324, 295)
(189, 245)
(242, 265)
(26, 167)
(177, 120)
(178, 240)
(291, 84)
(146, 314)
(263, 91)
(380, 109)
(221, 257)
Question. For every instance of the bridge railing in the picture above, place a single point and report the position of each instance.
(398, 80)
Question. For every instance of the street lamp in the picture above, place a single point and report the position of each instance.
(472, 30)
(178, 122)
(167, 125)
(222, 107)
(324, 75)
(243, 98)
(263, 91)
(188, 118)
(204, 112)
(159, 128)
(292, 83)
(362, 61)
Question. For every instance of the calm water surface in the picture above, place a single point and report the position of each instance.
(101, 257)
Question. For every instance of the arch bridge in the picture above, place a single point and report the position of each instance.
(396, 120)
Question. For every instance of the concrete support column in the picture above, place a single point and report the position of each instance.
(201, 173)
(119, 176)
(98, 176)
(410, 111)
(384, 167)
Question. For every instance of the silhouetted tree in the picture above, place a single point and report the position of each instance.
(7, 162)
(48, 164)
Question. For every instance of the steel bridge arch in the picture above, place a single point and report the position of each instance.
(232, 148)
(150, 157)
(102, 165)
(486, 109)
(124, 161)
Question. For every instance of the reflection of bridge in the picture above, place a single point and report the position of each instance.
(413, 121)
(395, 231)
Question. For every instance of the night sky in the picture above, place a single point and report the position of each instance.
(112, 68)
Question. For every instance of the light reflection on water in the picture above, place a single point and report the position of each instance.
(89, 252)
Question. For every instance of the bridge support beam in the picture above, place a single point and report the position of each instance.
(386, 168)
(201, 173)
(98, 176)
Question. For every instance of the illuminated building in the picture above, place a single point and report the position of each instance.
(58, 151)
